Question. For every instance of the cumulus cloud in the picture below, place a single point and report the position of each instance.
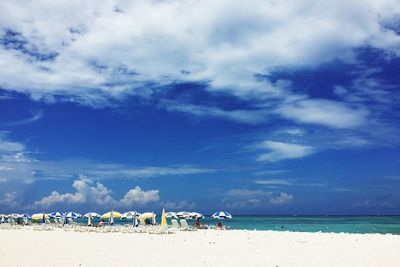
(89, 192)
(56, 198)
(91, 53)
(281, 151)
(138, 196)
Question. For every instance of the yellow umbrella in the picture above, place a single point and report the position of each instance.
(116, 215)
(39, 216)
(163, 218)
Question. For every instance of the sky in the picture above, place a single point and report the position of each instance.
(260, 107)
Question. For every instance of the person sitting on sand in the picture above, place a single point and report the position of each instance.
(102, 223)
(199, 225)
(219, 226)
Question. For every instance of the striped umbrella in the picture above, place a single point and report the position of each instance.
(221, 215)
(55, 214)
(72, 215)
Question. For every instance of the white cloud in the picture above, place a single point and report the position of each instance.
(243, 116)
(104, 54)
(137, 196)
(246, 193)
(324, 112)
(247, 198)
(90, 192)
(281, 199)
(274, 182)
(37, 115)
(364, 204)
(10, 200)
(17, 163)
(56, 198)
(282, 151)
(183, 204)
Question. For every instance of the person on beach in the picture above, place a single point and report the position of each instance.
(102, 223)
(219, 226)
(199, 225)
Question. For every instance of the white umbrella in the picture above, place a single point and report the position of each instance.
(131, 215)
(183, 214)
(91, 215)
(221, 215)
(196, 215)
(171, 214)
(15, 215)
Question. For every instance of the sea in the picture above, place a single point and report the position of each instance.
(327, 224)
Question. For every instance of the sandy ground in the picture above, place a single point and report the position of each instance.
(23, 247)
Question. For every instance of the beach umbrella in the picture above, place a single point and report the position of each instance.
(15, 215)
(163, 218)
(183, 214)
(171, 215)
(91, 215)
(221, 215)
(2, 220)
(196, 215)
(131, 215)
(39, 216)
(55, 214)
(116, 215)
(148, 216)
(72, 215)
(25, 217)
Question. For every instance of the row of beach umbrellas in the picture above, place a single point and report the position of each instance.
(111, 215)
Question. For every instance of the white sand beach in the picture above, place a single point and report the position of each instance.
(25, 247)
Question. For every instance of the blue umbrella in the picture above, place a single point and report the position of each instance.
(56, 214)
(72, 215)
(221, 215)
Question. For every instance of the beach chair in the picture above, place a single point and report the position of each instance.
(70, 221)
(175, 224)
(11, 220)
(185, 226)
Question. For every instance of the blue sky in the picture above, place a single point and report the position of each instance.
(254, 108)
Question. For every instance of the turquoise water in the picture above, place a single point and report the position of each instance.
(336, 224)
